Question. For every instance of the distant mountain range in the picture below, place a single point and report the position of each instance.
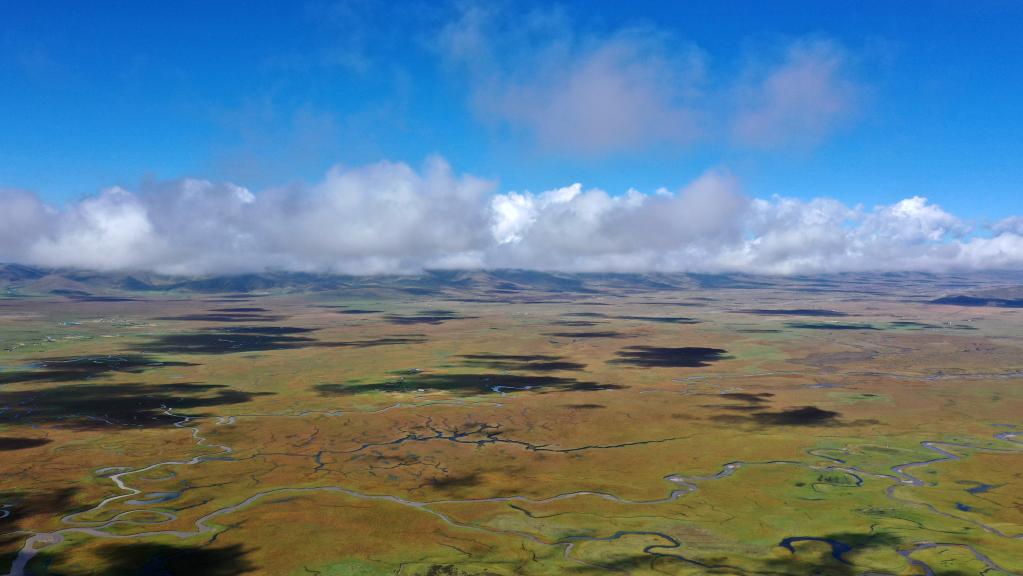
(1004, 289)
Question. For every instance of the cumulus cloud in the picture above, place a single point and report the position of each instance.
(591, 230)
(392, 218)
(576, 93)
(383, 217)
(111, 230)
(800, 101)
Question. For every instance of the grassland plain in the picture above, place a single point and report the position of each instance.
(513, 424)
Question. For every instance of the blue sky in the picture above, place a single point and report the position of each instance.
(103, 93)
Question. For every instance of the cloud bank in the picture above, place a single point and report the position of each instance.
(392, 218)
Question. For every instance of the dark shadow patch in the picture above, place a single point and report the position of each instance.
(148, 559)
(421, 291)
(661, 319)
(908, 325)
(69, 369)
(534, 363)
(830, 326)
(657, 357)
(467, 384)
(432, 317)
(592, 334)
(224, 317)
(678, 303)
(793, 312)
(911, 325)
(242, 339)
(91, 298)
(832, 553)
(585, 406)
(802, 416)
(576, 323)
(274, 330)
(974, 301)
(358, 311)
(8, 444)
(452, 570)
(586, 314)
(455, 483)
(69, 292)
(617, 563)
(235, 298)
(758, 331)
(506, 300)
(588, 387)
(242, 309)
(259, 339)
(25, 504)
(106, 406)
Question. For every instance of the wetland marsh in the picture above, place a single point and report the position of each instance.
(467, 430)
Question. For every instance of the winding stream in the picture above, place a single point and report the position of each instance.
(685, 485)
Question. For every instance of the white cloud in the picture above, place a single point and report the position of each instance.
(383, 217)
(573, 93)
(800, 101)
(378, 218)
(109, 231)
(584, 92)
(391, 218)
(575, 229)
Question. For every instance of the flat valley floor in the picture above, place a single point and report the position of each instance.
(514, 424)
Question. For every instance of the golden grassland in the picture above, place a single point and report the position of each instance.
(314, 434)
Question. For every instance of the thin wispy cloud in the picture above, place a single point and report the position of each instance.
(799, 101)
(575, 92)
(579, 92)
(391, 218)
